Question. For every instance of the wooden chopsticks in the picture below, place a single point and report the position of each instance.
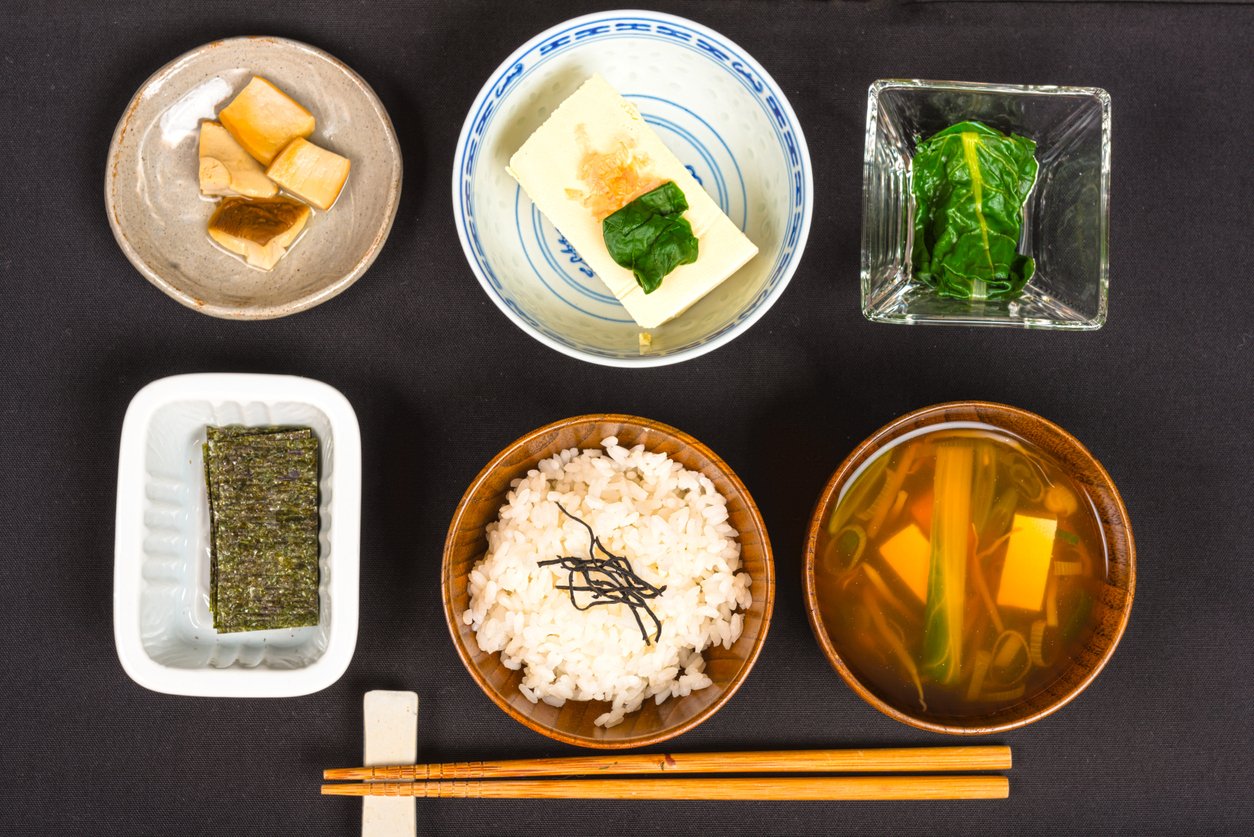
(887, 760)
(764, 788)
(517, 779)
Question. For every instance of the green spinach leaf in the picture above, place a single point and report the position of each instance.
(970, 183)
(650, 237)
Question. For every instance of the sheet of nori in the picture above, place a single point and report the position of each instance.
(212, 436)
(263, 513)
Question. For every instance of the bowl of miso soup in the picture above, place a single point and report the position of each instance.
(969, 568)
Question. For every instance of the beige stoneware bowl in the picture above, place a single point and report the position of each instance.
(159, 217)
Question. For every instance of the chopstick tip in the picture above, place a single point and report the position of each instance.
(343, 790)
(347, 773)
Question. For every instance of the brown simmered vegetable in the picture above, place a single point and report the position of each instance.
(263, 119)
(227, 169)
(259, 230)
(310, 172)
(263, 513)
(256, 146)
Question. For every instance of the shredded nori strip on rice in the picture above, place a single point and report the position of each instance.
(609, 580)
(263, 522)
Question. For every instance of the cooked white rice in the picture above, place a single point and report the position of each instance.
(670, 523)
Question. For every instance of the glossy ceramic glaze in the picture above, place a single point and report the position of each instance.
(159, 217)
(161, 619)
(711, 103)
(1110, 613)
(573, 723)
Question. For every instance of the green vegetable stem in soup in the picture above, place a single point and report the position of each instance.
(959, 571)
(970, 183)
(650, 236)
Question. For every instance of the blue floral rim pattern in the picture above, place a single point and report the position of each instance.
(673, 31)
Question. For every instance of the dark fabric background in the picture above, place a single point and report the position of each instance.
(1161, 743)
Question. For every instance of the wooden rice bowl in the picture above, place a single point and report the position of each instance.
(573, 723)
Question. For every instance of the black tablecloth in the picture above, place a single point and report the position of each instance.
(1160, 743)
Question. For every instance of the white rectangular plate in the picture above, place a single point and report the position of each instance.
(161, 619)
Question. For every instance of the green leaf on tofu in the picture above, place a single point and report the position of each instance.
(970, 183)
(650, 237)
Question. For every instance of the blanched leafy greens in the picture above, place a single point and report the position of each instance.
(970, 183)
(650, 236)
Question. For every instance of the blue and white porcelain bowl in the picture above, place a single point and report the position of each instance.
(711, 103)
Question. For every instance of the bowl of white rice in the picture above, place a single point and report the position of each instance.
(608, 581)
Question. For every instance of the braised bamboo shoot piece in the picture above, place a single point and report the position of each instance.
(227, 169)
(310, 172)
(259, 230)
(264, 119)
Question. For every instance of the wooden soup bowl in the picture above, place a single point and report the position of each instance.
(1110, 611)
(573, 723)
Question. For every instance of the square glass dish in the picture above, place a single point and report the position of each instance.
(161, 619)
(1066, 219)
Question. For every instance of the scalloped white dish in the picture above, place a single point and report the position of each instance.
(161, 619)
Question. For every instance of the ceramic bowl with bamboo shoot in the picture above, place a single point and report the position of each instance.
(228, 185)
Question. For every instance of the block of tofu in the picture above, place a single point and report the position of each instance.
(909, 553)
(1028, 556)
(594, 155)
(227, 169)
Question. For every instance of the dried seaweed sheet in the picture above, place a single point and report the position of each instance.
(263, 522)
(212, 448)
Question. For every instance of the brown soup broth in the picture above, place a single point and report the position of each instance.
(922, 614)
